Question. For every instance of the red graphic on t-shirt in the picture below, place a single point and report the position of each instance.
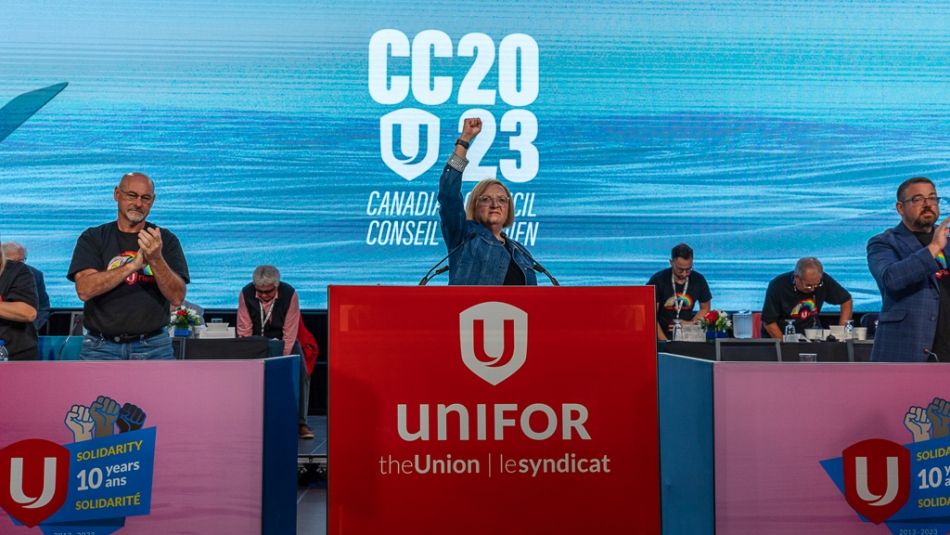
(805, 309)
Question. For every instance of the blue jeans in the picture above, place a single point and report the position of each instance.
(158, 347)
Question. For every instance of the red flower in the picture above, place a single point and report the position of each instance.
(181, 312)
(711, 316)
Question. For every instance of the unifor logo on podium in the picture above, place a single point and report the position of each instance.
(536, 400)
(494, 340)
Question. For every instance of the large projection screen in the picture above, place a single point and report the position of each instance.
(311, 135)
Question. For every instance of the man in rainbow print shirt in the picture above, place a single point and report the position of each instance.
(799, 295)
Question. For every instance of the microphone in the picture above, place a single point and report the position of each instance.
(535, 265)
(433, 272)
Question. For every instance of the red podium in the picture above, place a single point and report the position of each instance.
(473, 410)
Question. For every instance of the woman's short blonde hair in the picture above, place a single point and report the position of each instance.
(479, 190)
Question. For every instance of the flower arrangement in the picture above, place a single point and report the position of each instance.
(184, 318)
(716, 320)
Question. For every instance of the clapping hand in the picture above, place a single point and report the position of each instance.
(150, 243)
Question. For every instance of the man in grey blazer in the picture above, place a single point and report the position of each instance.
(909, 264)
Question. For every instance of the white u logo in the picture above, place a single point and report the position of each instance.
(861, 483)
(16, 483)
(411, 122)
(494, 340)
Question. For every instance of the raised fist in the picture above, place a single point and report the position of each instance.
(917, 422)
(471, 127)
(104, 411)
(939, 413)
(131, 418)
(80, 422)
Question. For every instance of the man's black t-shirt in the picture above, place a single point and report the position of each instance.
(941, 343)
(696, 292)
(784, 301)
(17, 285)
(136, 306)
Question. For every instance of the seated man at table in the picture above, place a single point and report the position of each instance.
(678, 289)
(799, 295)
(269, 307)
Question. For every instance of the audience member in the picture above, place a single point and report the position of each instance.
(269, 307)
(909, 264)
(17, 309)
(799, 295)
(128, 273)
(678, 289)
(17, 252)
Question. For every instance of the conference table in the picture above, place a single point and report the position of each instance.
(769, 350)
(68, 347)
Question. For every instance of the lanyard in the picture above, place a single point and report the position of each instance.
(677, 302)
(265, 319)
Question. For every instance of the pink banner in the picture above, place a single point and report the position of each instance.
(775, 424)
(205, 418)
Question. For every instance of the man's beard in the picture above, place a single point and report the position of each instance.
(921, 224)
(135, 216)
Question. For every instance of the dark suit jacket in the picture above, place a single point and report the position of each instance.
(905, 273)
(42, 301)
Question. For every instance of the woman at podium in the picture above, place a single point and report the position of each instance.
(479, 251)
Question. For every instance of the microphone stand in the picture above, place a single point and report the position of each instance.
(435, 270)
(535, 265)
(430, 275)
(538, 267)
(425, 280)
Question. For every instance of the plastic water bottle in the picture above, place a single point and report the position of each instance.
(677, 330)
(4, 353)
(849, 330)
(791, 335)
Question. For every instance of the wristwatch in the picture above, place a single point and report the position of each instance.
(463, 143)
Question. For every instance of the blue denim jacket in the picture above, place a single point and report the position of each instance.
(477, 258)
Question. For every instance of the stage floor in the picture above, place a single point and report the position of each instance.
(312, 482)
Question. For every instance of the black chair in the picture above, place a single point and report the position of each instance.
(869, 320)
(75, 324)
(748, 350)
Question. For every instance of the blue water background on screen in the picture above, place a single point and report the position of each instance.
(758, 132)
